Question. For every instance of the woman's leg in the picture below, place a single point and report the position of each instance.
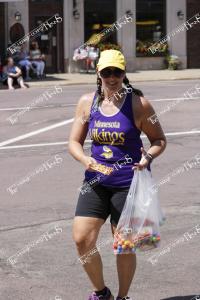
(42, 65)
(28, 66)
(21, 82)
(87, 64)
(126, 265)
(10, 83)
(37, 64)
(85, 233)
(22, 64)
(27, 72)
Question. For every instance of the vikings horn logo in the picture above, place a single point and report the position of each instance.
(107, 152)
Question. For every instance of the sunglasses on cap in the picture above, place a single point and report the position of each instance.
(107, 72)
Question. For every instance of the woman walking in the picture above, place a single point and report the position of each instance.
(114, 117)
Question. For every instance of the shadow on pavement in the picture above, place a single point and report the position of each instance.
(47, 78)
(4, 87)
(191, 297)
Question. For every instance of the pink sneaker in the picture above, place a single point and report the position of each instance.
(108, 296)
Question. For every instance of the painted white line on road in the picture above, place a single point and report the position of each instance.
(193, 132)
(34, 145)
(38, 107)
(74, 104)
(173, 99)
(36, 123)
(39, 145)
(161, 83)
(32, 133)
(183, 133)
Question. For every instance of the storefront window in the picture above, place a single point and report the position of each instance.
(150, 26)
(2, 34)
(99, 15)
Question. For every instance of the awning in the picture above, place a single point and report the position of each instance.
(146, 23)
(11, 0)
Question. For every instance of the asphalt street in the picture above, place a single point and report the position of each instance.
(29, 208)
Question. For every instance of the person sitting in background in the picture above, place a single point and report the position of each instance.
(12, 74)
(24, 61)
(37, 59)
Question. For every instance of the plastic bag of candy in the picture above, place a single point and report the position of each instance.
(138, 226)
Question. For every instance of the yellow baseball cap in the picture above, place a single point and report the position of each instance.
(111, 58)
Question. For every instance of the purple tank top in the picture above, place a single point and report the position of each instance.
(116, 143)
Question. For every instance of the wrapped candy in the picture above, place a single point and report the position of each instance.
(138, 226)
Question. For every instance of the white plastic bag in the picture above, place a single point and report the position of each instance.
(80, 53)
(138, 226)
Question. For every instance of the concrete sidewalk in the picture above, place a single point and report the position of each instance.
(137, 76)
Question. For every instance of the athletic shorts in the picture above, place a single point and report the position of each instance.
(101, 202)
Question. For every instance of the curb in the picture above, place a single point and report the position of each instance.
(66, 82)
(50, 83)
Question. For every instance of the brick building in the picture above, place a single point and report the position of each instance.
(151, 21)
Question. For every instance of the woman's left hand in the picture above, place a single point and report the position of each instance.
(143, 162)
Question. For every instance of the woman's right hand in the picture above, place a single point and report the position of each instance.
(12, 75)
(87, 161)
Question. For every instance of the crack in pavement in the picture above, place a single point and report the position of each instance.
(68, 223)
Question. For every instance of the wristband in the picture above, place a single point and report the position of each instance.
(149, 157)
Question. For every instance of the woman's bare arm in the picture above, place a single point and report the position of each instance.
(5, 69)
(143, 112)
(80, 129)
(19, 72)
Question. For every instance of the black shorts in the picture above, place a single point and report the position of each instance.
(101, 202)
(15, 81)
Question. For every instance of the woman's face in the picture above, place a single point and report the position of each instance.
(35, 45)
(112, 78)
(10, 62)
(23, 46)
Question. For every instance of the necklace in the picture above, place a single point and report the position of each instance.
(115, 95)
(115, 102)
